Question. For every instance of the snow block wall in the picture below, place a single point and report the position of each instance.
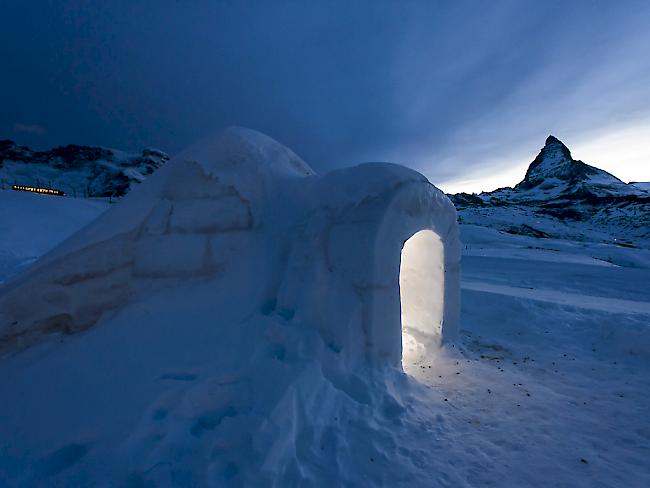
(240, 211)
(345, 257)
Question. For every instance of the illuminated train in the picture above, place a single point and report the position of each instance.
(47, 191)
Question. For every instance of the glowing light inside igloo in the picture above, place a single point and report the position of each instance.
(421, 282)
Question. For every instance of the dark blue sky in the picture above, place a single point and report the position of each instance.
(454, 89)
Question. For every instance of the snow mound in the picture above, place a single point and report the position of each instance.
(331, 245)
(246, 311)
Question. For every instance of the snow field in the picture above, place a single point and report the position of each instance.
(32, 224)
(228, 362)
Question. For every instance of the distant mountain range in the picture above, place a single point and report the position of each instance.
(564, 198)
(559, 196)
(80, 171)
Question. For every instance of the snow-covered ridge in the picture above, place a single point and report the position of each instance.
(642, 185)
(565, 198)
(80, 171)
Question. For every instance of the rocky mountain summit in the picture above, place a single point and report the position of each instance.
(564, 198)
(554, 164)
(81, 171)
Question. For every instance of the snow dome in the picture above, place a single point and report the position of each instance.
(358, 255)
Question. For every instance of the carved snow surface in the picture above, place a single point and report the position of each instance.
(333, 244)
(241, 318)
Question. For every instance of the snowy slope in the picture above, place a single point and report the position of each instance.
(79, 171)
(32, 224)
(564, 198)
(642, 185)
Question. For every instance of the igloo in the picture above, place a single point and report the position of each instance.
(357, 255)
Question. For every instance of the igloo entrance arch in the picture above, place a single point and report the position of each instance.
(422, 290)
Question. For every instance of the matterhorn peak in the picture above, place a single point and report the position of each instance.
(554, 160)
(552, 147)
(551, 139)
(554, 166)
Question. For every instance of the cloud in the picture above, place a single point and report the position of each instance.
(461, 91)
(622, 150)
(484, 115)
(30, 129)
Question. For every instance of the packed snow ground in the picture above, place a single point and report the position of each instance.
(548, 386)
(551, 386)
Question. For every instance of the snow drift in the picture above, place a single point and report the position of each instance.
(330, 245)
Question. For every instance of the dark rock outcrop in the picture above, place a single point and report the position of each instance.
(82, 171)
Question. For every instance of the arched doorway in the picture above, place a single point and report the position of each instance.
(422, 292)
